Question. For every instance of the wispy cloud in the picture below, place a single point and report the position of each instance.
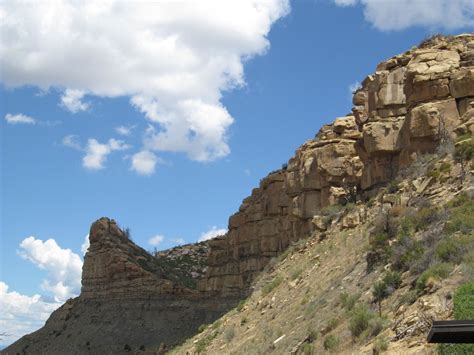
(19, 118)
(389, 15)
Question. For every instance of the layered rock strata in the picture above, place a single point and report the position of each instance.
(130, 300)
(409, 106)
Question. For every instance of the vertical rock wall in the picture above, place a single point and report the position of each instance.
(412, 103)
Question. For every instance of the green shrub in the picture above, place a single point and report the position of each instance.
(359, 321)
(438, 271)
(204, 342)
(348, 301)
(202, 328)
(380, 345)
(331, 342)
(241, 305)
(376, 325)
(308, 349)
(425, 216)
(454, 247)
(461, 218)
(392, 279)
(272, 285)
(332, 324)
(464, 301)
(296, 273)
(463, 310)
(405, 252)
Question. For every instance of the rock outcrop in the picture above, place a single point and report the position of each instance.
(409, 106)
(131, 299)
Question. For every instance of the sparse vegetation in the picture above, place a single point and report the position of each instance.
(360, 318)
(380, 345)
(463, 309)
(436, 272)
(463, 152)
(331, 342)
(272, 285)
(348, 301)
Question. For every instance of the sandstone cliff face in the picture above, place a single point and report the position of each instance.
(407, 107)
(130, 300)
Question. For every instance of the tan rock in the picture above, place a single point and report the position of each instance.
(384, 136)
(433, 118)
(462, 83)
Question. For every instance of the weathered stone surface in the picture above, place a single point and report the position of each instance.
(462, 83)
(129, 299)
(434, 119)
(384, 136)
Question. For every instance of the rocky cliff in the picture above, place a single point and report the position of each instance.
(130, 300)
(133, 300)
(412, 103)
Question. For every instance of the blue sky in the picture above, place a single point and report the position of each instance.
(170, 133)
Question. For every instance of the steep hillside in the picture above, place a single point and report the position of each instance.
(413, 243)
(356, 236)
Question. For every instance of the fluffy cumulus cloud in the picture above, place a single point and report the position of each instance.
(156, 240)
(19, 118)
(144, 162)
(20, 314)
(174, 60)
(64, 267)
(96, 153)
(212, 233)
(71, 100)
(400, 14)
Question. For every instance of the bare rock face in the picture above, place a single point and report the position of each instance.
(130, 300)
(412, 103)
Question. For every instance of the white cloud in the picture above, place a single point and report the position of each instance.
(19, 118)
(156, 240)
(174, 60)
(20, 314)
(71, 142)
(96, 153)
(85, 245)
(400, 14)
(345, 2)
(71, 100)
(212, 233)
(144, 162)
(124, 130)
(63, 266)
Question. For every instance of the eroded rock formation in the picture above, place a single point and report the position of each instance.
(412, 103)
